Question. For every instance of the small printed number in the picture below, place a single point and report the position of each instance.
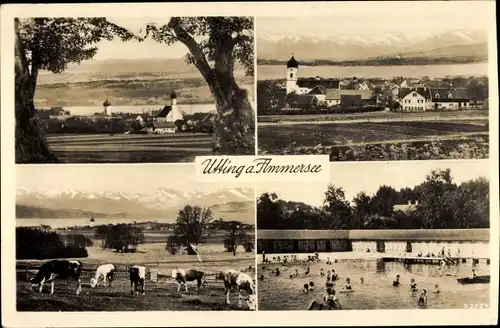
(475, 306)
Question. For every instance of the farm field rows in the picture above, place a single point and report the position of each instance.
(102, 148)
(457, 115)
(312, 135)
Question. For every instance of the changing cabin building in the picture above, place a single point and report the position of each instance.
(469, 243)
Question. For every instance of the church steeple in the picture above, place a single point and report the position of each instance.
(292, 63)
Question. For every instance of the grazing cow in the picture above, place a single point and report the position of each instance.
(137, 279)
(58, 269)
(106, 271)
(183, 276)
(241, 282)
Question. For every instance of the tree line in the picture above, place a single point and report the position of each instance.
(39, 243)
(436, 203)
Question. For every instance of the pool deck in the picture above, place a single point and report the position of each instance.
(386, 257)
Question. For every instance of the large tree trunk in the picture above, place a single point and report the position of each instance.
(235, 120)
(31, 146)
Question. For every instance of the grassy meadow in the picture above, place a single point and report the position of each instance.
(160, 296)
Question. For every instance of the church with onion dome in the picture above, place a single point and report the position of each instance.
(303, 86)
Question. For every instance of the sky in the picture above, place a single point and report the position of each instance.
(127, 178)
(414, 20)
(117, 49)
(368, 177)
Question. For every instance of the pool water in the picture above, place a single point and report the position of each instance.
(282, 293)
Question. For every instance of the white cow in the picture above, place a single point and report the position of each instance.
(137, 279)
(236, 280)
(106, 271)
(182, 276)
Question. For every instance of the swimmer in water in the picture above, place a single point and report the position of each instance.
(396, 282)
(422, 300)
(311, 286)
(277, 272)
(335, 276)
(321, 272)
(413, 285)
(261, 277)
(296, 273)
(361, 280)
(291, 276)
(306, 288)
(436, 289)
(307, 271)
(329, 284)
(330, 298)
(347, 284)
(473, 273)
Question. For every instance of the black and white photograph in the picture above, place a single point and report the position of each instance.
(410, 83)
(127, 90)
(412, 235)
(132, 238)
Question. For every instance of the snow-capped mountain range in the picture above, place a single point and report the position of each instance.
(160, 202)
(279, 47)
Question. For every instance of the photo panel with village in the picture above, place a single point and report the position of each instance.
(128, 90)
(411, 86)
(132, 238)
(393, 235)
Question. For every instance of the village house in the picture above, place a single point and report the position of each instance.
(349, 97)
(300, 102)
(163, 127)
(414, 99)
(444, 98)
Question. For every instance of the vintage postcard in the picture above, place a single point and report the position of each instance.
(379, 87)
(250, 164)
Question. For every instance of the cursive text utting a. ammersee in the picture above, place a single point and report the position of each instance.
(261, 165)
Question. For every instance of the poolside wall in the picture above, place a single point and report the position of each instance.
(460, 242)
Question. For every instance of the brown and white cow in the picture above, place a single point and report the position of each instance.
(236, 280)
(58, 269)
(137, 279)
(182, 276)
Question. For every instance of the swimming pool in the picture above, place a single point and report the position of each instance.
(283, 293)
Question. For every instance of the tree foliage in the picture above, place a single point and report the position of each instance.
(36, 243)
(437, 203)
(215, 45)
(190, 228)
(120, 237)
(236, 236)
(50, 44)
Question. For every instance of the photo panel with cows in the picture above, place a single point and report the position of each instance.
(129, 90)
(132, 238)
(412, 235)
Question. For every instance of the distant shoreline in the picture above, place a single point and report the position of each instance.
(381, 62)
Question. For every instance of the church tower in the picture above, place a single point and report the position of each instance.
(107, 107)
(292, 68)
(176, 114)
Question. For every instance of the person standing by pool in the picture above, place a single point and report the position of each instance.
(396, 282)
(413, 285)
(263, 256)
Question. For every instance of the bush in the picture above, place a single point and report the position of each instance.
(172, 245)
(228, 245)
(249, 246)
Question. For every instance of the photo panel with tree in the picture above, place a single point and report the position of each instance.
(118, 89)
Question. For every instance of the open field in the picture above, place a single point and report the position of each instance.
(374, 116)
(101, 148)
(379, 141)
(161, 295)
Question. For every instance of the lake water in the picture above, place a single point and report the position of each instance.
(268, 72)
(283, 293)
(141, 109)
(63, 223)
